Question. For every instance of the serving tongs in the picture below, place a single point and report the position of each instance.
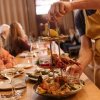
(51, 65)
(57, 29)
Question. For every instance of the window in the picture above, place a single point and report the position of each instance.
(43, 6)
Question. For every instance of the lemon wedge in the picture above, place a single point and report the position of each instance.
(53, 33)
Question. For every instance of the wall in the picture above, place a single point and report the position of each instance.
(32, 17)
(65, 23)
(68, 22)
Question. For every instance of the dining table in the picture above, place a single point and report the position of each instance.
(88, 92)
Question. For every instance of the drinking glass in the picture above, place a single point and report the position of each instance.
(30, 41)
(9, 74)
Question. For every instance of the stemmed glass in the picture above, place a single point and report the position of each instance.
(15, 95)
(34, 45)
(30, 40)
(9, 74)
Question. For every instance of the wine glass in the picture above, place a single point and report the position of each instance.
(9, 74)
(30, 41)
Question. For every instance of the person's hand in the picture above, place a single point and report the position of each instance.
(75, 70)
(58, 10)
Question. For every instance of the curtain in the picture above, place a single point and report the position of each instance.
(32, 22)
(17, 10)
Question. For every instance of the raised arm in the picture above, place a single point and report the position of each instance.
(85, 4)
(85, 56)
(60, 8)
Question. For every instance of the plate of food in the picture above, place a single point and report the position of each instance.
(18, 84)
(23, 65)
(42, 72)
(58, 87)
(15, 71)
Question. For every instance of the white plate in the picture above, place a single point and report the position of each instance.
(27, 54)
(23, 65)
(13, 70)
(22, 55)
(18, 83)
(16, 71)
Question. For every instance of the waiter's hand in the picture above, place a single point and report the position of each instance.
(58, 10)
(75, 70)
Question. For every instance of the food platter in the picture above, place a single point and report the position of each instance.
(60, 95)
(57, 96)
(62, 85)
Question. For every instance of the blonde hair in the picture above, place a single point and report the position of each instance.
(4, 27)
(16, 31)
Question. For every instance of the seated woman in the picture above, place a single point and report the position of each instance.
(6, 60)
(17, 40)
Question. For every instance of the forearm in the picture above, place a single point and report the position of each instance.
(85, 57)
(85, 4)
